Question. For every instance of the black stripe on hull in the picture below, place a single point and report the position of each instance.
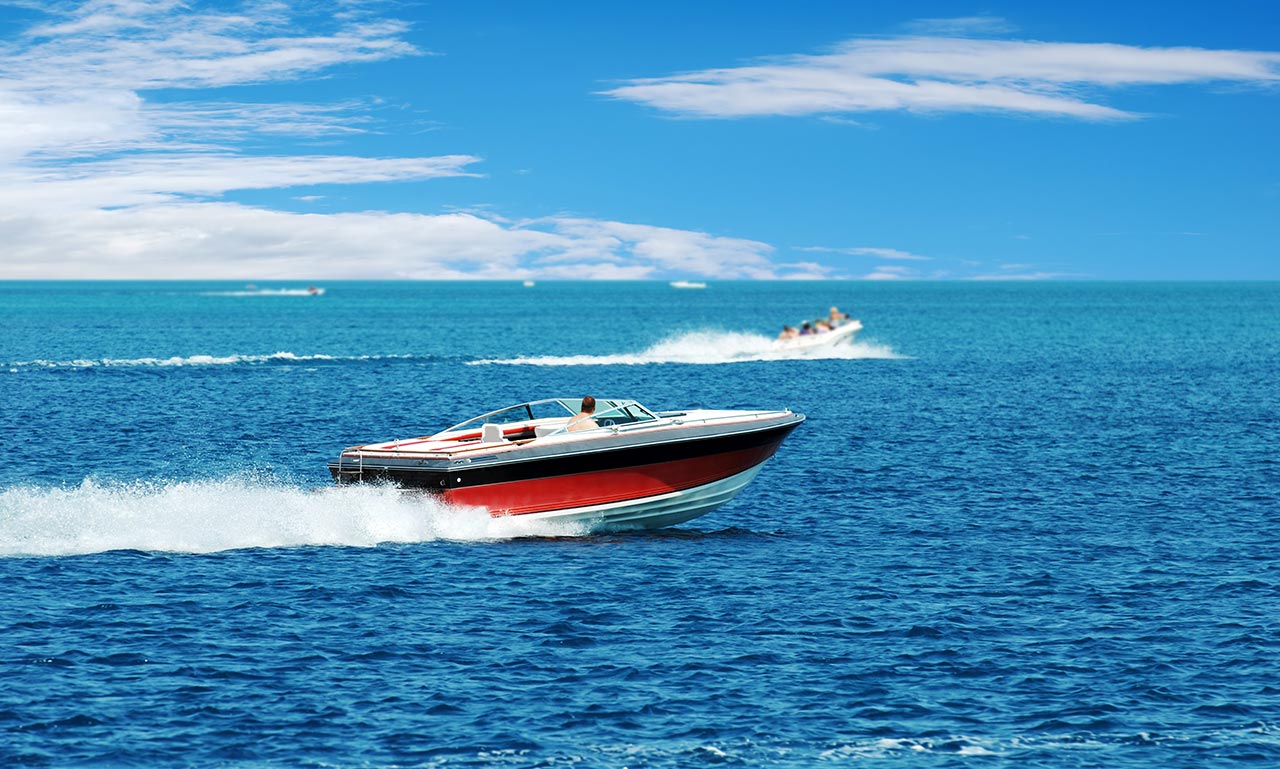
(440, 479)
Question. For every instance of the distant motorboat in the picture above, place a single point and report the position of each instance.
(687, 284)
(817, 339)
(252, 290)
(529, 284)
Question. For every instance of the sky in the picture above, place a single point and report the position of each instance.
(724, 140)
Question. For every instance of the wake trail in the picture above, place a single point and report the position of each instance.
(206, 516)
(198, 360)
(706, 347)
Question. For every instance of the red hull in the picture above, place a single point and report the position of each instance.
(605, 486)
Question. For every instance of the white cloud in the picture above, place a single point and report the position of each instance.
(944, 74)
(229, 241)
(661, 250)
(809, 271)
(99, 181)
(885, 272)
(881, 253)
(165, 44)
(152, 178)
(1023, 276)
(961, 26)
(75, 86)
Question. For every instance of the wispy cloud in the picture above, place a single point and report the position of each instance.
(99, 180)
(157, 178)
(650, 251)
(74, 91)
(886, 272)
(944, 74)
(76, 85)
(164, 44)
(100, 177)
(1017, 276)
(229, 241)
(960, 26)
(880, 253)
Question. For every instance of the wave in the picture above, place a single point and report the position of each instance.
(197, 360)
(707, 347)
(243, 511)
(1259, 735)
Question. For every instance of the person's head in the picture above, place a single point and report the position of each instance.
(588, 405)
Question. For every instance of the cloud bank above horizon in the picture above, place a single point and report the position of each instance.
(105, 173)
(101, 182)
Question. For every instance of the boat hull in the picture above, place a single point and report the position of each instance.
(655, 512)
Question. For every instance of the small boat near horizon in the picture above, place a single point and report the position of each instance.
(687, 284)
(253, 290)
(637, 469)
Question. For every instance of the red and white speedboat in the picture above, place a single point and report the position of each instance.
(637, 469)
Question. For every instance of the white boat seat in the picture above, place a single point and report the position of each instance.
(491, 433)
(542, 431)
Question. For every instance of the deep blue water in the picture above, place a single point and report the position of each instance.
(1029, 525)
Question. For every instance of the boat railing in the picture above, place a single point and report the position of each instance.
(684, 419)
(343, 474)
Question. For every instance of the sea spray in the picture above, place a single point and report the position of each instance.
(707, 347)
(241, 511)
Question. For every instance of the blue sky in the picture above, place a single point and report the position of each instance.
(275, 140)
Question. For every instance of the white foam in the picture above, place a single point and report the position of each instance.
(707, 347)
(237, 512)
(888, 747)
(1261, 734)
(193, 360)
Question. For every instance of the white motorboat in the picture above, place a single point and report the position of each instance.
(636, 469)
(818, 339)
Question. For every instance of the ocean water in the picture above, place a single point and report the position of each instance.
(1031, 525)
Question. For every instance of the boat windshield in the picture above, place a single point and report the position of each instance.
(549, 408)
(554, 413)
(609, 413)
(613, 413)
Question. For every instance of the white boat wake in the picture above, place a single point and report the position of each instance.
(707, 348)
(195, 360)
(206, 516)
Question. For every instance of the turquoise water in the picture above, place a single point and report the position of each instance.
(1025, 525)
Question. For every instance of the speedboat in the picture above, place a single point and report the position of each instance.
(688, 284)
(636, 469)
(818, 339)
